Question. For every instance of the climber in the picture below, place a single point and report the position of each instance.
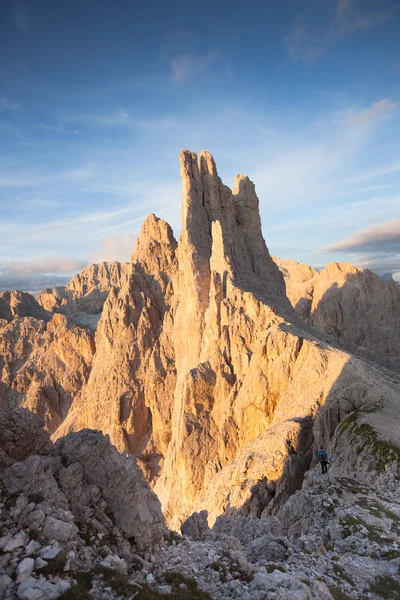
(323, 459)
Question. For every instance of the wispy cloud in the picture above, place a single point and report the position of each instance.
(370, 188)
(377, 110)
(302, 44)
(87, 219)
(31, 179)
(81, 172)
(56, 129)
(6, 104)
(348, 19)
(307, 43)
(185, 66)
(116, 118)
(372, 174)
(20, 15)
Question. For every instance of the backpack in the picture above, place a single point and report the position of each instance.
(322, 455)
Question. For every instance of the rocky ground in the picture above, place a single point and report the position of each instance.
(66, 533)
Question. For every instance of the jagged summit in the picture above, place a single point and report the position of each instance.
(198, 362)
(243, 255)
(155, 246)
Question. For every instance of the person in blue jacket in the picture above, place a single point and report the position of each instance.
(323, 459)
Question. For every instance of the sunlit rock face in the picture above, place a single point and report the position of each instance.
(192, 358)
(204, 371)
(354, 306)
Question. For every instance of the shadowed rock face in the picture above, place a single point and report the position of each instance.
(201, 367)
(77, 479)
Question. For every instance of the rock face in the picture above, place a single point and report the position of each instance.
(86, 292)
(20, 304)
(43, 365)
(89, 458)
(354, 306)
(204, 371)
(22, 434)
(79, 516)
(73, 507)
(81, 470)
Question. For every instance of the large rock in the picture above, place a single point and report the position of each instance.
(82, 486)
(135, 507)
(55, 529)
(22, 434)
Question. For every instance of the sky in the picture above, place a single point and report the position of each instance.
(98, 97)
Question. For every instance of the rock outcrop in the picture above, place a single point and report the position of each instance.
(43, 365)
(86, 292)
(354, 306)
(22, 434)
(204, 371)
(64, 500)
(20, 304)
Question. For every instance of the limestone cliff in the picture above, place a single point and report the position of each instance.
(86, 292)
(204, 371)
(43, 365)
(354, 306)
(20, 304)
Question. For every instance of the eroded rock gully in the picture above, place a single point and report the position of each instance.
(193, 360)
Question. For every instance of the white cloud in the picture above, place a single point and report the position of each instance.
(114, 247)
(38, 273)
(306, 43)
(379, 238)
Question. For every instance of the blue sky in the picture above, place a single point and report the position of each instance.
(97, 98)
